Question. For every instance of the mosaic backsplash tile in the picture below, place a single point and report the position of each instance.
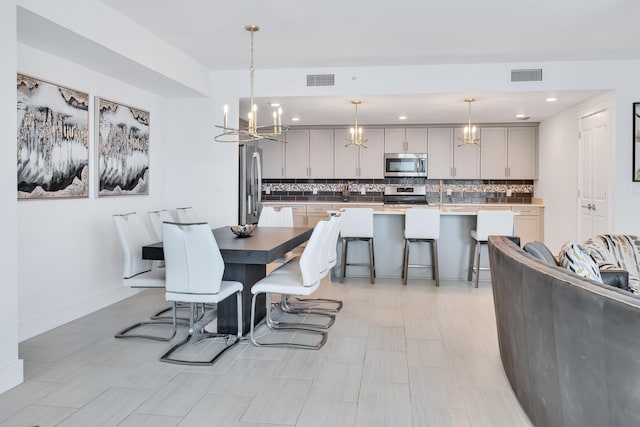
(330, 190)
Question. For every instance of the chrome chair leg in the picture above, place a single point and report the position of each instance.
(434, 261)
(343, 263)
(197, 334)
(123, 333)
(472, 251)
(255, 342)
(405, 264)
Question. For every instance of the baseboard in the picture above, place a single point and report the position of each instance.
(11, 375)
(64, 314)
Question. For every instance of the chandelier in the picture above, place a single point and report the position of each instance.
(254, 131)
(355, 138)
(469, 132)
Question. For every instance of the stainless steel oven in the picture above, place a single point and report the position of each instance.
(405, 165)
(405, 195)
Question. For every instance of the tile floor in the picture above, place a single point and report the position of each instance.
(396, 356)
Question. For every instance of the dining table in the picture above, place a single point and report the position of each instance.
(245, 261)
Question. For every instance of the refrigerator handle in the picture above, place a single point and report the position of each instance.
(257, 179)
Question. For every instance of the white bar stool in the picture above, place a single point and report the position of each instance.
(421, 225)
(357, 225)
(490, 223)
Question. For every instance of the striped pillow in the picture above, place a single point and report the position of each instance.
(577, 259)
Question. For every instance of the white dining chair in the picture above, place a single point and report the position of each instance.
(156, 218)
(138, 273)
(186, 215)
(276, 217)
(300, 278)
(490, 223)
(194, 274)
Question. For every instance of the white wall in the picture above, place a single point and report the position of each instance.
(558, 172)
(10, 365)
(69, 258)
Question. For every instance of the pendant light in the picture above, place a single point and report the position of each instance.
(469, 132)
(254, 131)
(355, 137)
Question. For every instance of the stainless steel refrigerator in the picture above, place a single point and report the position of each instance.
(250, 199)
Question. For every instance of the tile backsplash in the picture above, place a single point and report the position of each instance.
(462, 191)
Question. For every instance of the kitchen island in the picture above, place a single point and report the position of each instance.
(456, 223)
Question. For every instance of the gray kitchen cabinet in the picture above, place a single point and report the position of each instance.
(448, 159)
(509, 153)
(309, 153)
(272, 159)
(357, 162)
(405, 140)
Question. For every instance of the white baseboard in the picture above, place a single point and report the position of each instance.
(64, 314)
(11, 375)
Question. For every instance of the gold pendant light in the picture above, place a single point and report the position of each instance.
(254, 131)
(355, 138)
(469, 132)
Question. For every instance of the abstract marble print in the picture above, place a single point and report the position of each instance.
(123, 149)
(53, 140)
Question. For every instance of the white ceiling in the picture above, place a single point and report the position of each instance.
(333, 33)
(349, 33)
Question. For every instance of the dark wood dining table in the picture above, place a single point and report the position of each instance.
(245, 261)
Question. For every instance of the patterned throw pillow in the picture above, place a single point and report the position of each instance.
(577, 259)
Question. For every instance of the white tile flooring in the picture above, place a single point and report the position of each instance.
(396, 356)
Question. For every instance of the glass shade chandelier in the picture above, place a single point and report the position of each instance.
(254, 131)
(355, 133)
(469, 136)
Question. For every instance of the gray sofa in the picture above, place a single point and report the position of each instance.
(570, 346)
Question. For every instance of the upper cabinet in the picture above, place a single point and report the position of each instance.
(309, 153)
(504, 152)
(358, 162)
(272, 159)
(321, 153)
(409, 140)
(509, 153)
(448, 159)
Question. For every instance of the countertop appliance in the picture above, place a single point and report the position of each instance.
(405, 195)
(250, 183)
(405, 165)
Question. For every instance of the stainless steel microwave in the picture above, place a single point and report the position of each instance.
(405, 165)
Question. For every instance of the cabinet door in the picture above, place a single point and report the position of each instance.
(416, 140)
(297, 154)
(321, 153)
(394, 140)
(372, 157)
(440, 153)
(466, 158)
(493, 144)
(345, 158)
(272, 159)
(522, 153)
(528, 223)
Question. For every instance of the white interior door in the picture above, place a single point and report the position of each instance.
(593, 197)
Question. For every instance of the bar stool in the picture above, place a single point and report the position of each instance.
(421, 225)
(357, 225)
(490, 223)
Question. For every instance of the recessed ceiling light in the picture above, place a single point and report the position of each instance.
(551, 99)
(402, 117)
(295, 119)
(275, 104)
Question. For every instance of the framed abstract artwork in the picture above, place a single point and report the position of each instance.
(53, 140)
(123, 149)
(636, 141)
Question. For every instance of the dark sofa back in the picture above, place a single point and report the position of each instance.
(570, 347)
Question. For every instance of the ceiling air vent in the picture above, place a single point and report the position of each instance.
(534, 75)
(320, 79)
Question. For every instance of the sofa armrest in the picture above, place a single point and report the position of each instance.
(616, 277)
